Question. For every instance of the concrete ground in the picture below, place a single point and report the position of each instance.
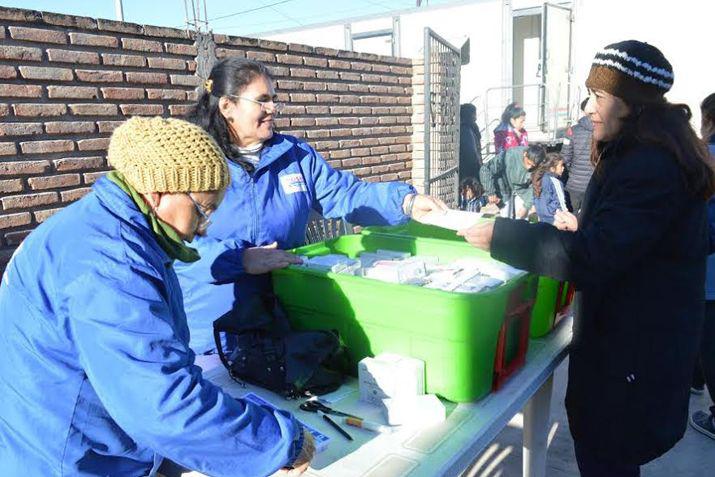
(693, 456)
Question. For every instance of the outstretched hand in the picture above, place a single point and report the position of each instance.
(423, 205)
(258, 260)
(479, 235)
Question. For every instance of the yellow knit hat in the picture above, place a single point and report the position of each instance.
(167, 155)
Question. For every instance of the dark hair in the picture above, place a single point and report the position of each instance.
(666, 125)
(467, 111)
(512, 111)
(228, 77)
(538, 171)
(472, 184)
(536, 153)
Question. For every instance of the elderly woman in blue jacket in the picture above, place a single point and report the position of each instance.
(96, 373)
(276, 180)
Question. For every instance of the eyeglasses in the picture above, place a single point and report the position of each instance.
(204, 217)
(277, 107)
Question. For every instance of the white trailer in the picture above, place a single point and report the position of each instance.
(534, 52)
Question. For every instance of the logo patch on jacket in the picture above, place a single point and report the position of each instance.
(293, 183)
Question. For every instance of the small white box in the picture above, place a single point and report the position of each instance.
(415, 411)
(389, 376)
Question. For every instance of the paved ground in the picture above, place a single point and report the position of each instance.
(693, 456)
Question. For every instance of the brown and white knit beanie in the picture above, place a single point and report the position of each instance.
(632, 70)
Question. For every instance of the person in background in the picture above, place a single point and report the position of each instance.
(549, 196)
(510, 132)
(276, 181)
(471, 195)
(704, 421)
(96, 374)
(576, 152)
(636, 257)
(470, 142)
(507, 181)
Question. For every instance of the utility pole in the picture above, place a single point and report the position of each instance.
(119, 10)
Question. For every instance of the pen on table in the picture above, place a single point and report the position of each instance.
(335, 426)
(370, 426)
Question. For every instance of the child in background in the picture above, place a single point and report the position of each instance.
(471, 195)
(548, 189)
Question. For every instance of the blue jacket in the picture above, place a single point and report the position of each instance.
(273, 204)
(548, 202)
(96, 374)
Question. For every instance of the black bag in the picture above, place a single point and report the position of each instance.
(261, 348)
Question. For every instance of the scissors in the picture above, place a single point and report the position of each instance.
(315, 406)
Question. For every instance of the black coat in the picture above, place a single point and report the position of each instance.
(576, 152)
(470, 151)
(638, 264)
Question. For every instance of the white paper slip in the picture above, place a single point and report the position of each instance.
(452, 219)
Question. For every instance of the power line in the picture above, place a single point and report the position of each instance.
(249, 10)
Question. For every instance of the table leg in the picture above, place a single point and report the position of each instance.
(536, 429)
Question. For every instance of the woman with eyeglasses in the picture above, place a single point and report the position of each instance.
(276, 180)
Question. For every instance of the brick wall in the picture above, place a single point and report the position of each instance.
(66, 82)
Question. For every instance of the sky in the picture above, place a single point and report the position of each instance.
(234, 17)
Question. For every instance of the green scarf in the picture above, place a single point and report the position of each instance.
(169, 240)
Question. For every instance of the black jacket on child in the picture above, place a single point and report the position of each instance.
(638, 264)
(576, 152)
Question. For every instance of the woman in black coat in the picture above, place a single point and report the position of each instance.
(637, 259)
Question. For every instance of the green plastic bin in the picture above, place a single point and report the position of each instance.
(552, 296)
(455, 334)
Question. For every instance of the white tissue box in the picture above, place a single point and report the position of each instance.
(389, 376)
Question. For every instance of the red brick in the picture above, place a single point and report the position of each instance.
(181, 49)
(20, 129)
(69, 127)
(8, 221)
(185, 80)
(317, 109)
(327, 74)
(400, 70)
(347, 76)
(164, 32)
(84, 23)
(39, 110)
(91, 177)
(45, 147)
(82, 92)
(226, 52)
(302, 73)
(326, 121)
(123, 60)
(93, 109)
(25, 201)
(36, 34)
(172, 94)
(167, 63)
(261, 56)
(141, 45)
(302, 98)
(74, 194)
(314, 86)
(16, 238)
(180, 109)
(148, 78)
(289, 59)
(69, 56)
(303, 122)
(121, 27)
(322, 51)
(122, 93)
(284, 84)
(42, 215)
(20, 90)
(7, 72)
(10, 185)
(339, 64)
(7, 149)
(108, 126)
(320, 62)
(293, 109)
(272, 45)
(99, 76)
(95, 144)
(85, 39)
(78, 163)
(281, 123)
(142, 109)
(20, 168)
(358, 66)
(54, 182)
(20, 15)
(298, 48)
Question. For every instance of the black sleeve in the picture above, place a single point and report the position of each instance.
(628, 223)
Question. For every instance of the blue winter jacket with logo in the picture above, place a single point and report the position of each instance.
(96, 374)
(273, 204)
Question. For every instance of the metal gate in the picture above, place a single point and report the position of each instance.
(441, 135)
